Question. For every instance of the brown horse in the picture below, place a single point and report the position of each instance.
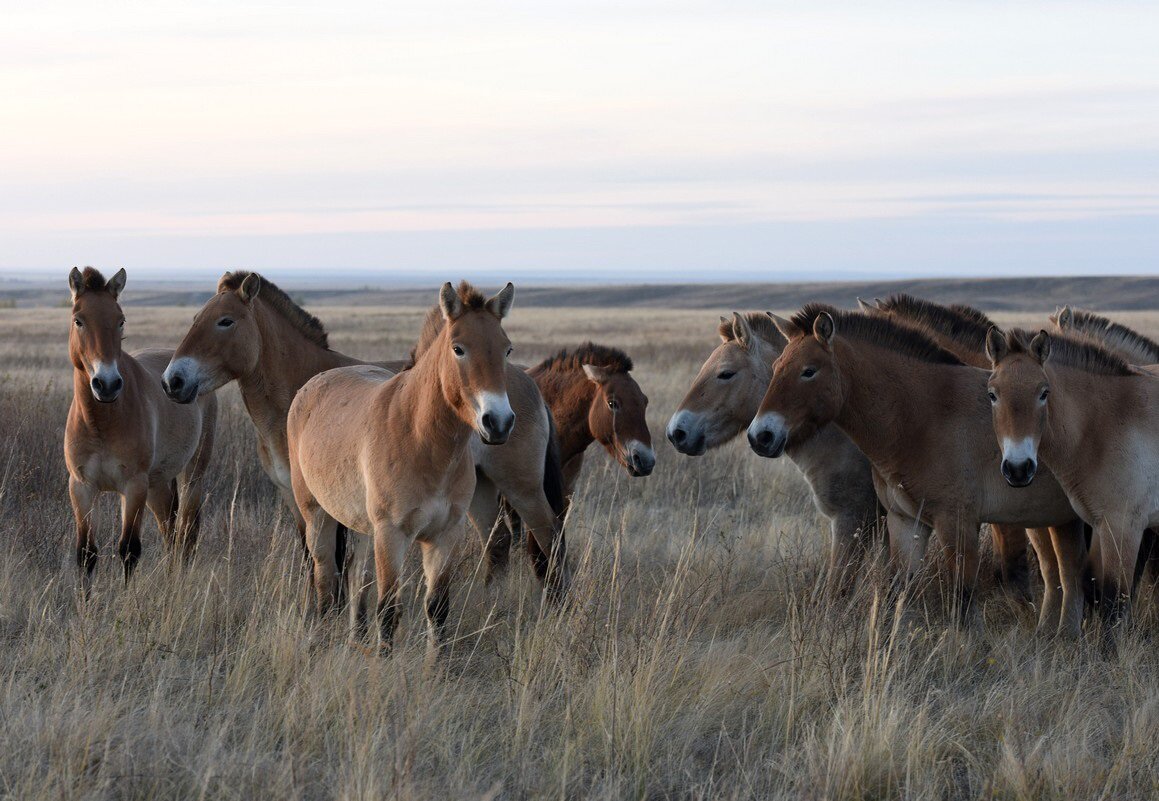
(124, 436)
(962, 331)
(1093, 420)
(390, 455)
(723, 400)
(922, 419)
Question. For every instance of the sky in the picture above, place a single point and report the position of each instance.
(577, 141)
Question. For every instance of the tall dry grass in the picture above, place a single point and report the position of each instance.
(700, 656)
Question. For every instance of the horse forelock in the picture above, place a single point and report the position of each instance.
(1069, 351)
(878, 330)
(276, 298)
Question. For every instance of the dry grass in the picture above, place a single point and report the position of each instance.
(699, 658)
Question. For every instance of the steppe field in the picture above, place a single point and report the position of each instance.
(699, 658)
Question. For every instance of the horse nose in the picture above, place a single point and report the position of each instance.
(1019, 474)
(173, 384)
(677, 435)
(107, 389)
(497, 426)
(643, 461)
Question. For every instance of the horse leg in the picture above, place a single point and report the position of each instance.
(1070, 550)
(390, 545)
(1010, 548)
(545, 542)
(492, 528)
(133, 499)
(361, 582)
(84, 502)
(1050, 615)
(320, 532)
(908, 538)
(846, 552)
(191, 485)
(162, 502)
(959, 541)
(436, 559)
(1119, 542)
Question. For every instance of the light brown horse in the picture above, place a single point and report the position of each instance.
(962, 331)
(723, 400)
(390, 456)
(1093, 420)
(922, 419)
(124, 436)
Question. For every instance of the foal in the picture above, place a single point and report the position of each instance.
(124, 436)
(390, 456)
(723, 400)
(1094, 421)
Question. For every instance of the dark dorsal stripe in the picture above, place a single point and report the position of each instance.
(877, 330)
(305, 323)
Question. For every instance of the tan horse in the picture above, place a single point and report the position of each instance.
(124, 436)
(723, 400)
(962, 331)
(390, 456)
(922, 419)
(1093, 420)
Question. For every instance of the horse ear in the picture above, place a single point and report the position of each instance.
(865, 307)
(117, 283)
(449, 302)
(251, 285)
(787, 328)
(500, 305)
(996, 346)
(725, 329)
(823, 327)
(1040, 347)
(1065, 318)
(76, 284)
(595, 373)
(741, 330)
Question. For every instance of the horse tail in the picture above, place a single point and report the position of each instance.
(553, 470)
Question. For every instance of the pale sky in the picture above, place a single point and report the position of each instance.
(610, 140)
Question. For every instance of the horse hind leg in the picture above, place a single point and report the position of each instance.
(1010, 550)
(162, 502)
(488, 521)
(360, 578)
(436, 562)
(545, 541)
(191, 485)
(1050, 614)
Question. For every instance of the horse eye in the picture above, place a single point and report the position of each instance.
(121, 325)
(458, 350)
(79, 324)
(809, 372)
(726, 375)
(993, 396)
(225, 322)
(613, 404)
(1045, 392)
(509, 351)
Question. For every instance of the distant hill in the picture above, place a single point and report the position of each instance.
(994, 294)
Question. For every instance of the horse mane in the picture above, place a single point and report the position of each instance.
(1068, 351)
(613, 360)
(960, 323)
(472, 300)
(877, 330)
(92, 280)
(306, 324)
(761, 324)
(1115, 336)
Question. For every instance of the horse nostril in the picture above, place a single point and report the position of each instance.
(765, 438)
(488, 422)
(678, 435)
(174, 383)
(116, 384)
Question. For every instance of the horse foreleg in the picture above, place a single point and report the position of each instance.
(1118, 542)
(390, 544)
(84, 502)
(1070, 549)
(959, 541)
(133, 499)
(162, 502)
(1049, 615)
(1010, 548)
(436, 561)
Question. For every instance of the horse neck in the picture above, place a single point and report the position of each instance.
(1079, 402)
(431, 420)
(885, 395)
(287, 360)
(569, 394)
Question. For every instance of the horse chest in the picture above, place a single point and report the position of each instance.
(106, 471)
(433, 515)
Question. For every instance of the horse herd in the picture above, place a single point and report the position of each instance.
(927, 415)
